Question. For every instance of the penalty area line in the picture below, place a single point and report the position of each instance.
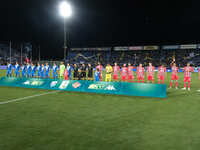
(27, 97)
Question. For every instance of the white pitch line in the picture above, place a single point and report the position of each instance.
(28, 97)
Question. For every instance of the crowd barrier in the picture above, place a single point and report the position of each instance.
(116, 88)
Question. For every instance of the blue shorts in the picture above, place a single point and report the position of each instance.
(23, 74)
(42, 74)
(55, 75)
(47, 74)
(9, 72)
(33, 74)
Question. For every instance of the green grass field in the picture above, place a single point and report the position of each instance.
(79, 121)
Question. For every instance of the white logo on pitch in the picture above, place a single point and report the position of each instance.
(110, 87)
(53, 83)
(27, 82)
(64, 85)
(37, 83)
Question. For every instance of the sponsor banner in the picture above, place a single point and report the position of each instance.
(116, 88)
(76, 49)
(135, 48)
(92, 49)
(151, 47)
(189, 46)
(170, 47)
(121, 48)
(104, 49)
(3, 67)
(104, 88)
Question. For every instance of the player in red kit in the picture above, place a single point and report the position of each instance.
(150, 73)
(124, 73)
(174, 76)
(116, 71)
(187, 76)
(161, 74)
(100, 67)
(130, 73)
(199, 73)
(140, 73)
(66, 75)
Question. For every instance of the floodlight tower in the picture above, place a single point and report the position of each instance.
(66, 12)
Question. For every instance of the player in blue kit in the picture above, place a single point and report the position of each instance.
(55, 74)
(28, 71)
(33, 70)
(69, 70)
(47, 69)
(9, 70)
(97, 74)
(23, 72)
(39, 68)
(42, 71)
(17, 68)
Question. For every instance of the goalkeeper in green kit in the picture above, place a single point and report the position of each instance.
(62, 70)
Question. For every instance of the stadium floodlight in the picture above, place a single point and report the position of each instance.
(65, 11)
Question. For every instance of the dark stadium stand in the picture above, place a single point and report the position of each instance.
(15, 53)
(157, 57)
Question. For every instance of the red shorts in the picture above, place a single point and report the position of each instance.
(115, 77)
(187, 79)
(140, 78)
(130, 78)
(161, 77)
(174, 77)
(124, 78)
(100, 76)
(150, 78)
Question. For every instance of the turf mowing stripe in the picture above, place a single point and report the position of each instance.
(28, 97)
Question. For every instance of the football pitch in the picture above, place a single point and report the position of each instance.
(32, 119)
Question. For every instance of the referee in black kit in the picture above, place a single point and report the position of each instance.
(90, 72)
(83, 72)
(75, 72)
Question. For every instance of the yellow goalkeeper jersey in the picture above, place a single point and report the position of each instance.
(109, 69)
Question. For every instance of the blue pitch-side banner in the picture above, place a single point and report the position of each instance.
(116, 88)
(181, 70)
(3, 67)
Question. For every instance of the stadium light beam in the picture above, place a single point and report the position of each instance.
(66, 12)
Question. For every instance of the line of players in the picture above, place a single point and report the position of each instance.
(127, 74)
(29, 70)
(83, 72)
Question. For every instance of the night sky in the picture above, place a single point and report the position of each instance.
(100, 23)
